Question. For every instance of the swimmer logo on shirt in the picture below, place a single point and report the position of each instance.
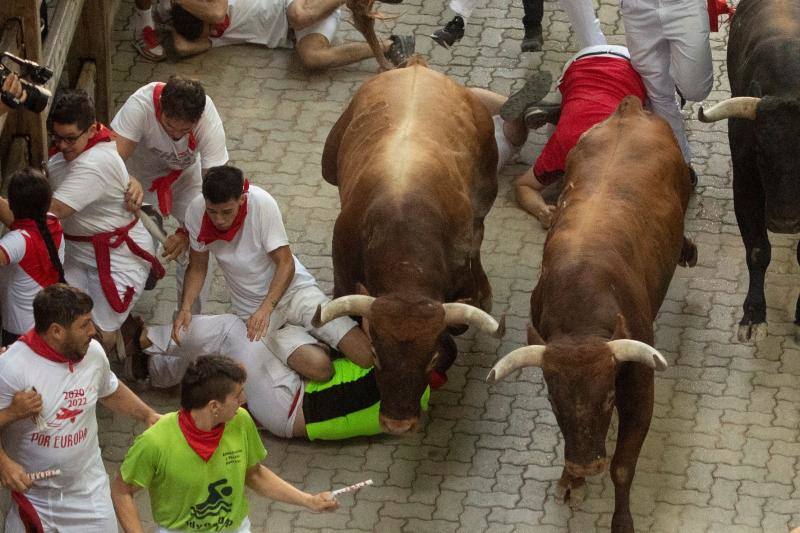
(214, 506)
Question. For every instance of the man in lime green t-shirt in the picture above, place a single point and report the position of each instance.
(195, 463)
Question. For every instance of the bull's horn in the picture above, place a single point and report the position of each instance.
(737, 107)
(637, 352)
(519, 358)
(353, 304)
(458, 313)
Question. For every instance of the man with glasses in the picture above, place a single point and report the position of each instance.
(109, 252)
(169, 134)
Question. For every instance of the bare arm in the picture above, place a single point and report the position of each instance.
(284, 273)
(192, 285)
(25, 403)
(125, 146)
(266, 483)
(123, 400)
(6, 215)
(124, 505)
(60, 209)
(210, 11)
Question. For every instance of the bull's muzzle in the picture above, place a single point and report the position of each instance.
(593, 468)
(398, 427)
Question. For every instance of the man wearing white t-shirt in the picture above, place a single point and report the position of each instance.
(306, 25)
(169, 134)
(59, 360)
(109, 252)
(271, 291)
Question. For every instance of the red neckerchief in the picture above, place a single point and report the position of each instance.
(36, 262)
(209, 232)
(103, 135)
(219, 28)
(36, 343)
(204, 443)
(163, 184)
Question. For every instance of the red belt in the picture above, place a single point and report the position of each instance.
(163, 188)
(102, 244)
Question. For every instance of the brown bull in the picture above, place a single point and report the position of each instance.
(607, 263)
(414, 158)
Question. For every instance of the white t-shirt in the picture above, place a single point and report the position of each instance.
(245, 259)
(156, 154)
(69, 400)
(94, 184)
(17, 288)
(257, 22)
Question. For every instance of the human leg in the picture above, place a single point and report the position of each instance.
(316, 52)
(304, 13)
(144, 35)
(532, 22)
(687, 29)
(584, 22)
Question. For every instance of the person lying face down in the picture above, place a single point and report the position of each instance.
(308, 26)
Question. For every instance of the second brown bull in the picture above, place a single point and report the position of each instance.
(414, 158)
(607, 263)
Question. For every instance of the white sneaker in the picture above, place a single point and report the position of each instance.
(145, 38)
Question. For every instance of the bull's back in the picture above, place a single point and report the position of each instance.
(412, 129)
(627, 188)
(763, 46)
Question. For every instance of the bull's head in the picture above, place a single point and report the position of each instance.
(580, 374)
(776, 122)
(406, 333)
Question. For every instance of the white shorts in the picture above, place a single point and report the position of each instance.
(87, 279)
(290, 324)
(326, 27)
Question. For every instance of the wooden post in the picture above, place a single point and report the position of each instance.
(93, 42)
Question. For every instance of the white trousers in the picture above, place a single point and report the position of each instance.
(669, 47)
(584, 22)
(269, 400)
(465, 7)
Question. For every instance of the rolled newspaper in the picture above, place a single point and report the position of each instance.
(156, 232)
(351, 488)
(44, 474)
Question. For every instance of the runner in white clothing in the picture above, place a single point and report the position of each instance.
(32, 252)
(308, 25)
(169, 134)
(270, 289)
(59, 360)
(109, 252)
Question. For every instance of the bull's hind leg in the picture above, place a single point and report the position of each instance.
(797, 307)
(753, 227)
(688, 253)
(483, 290)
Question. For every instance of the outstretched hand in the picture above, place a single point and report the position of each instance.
(322, 502)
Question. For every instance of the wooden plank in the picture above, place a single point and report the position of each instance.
(10, 40)
(86, 79)
(62, 29)
(93, 41)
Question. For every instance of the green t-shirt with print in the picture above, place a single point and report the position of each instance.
(186, 492)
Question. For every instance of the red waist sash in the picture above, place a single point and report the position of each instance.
(102, 244)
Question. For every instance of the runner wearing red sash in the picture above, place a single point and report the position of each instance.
(59, 360)
(109, 252)
(169, 135)
(33, 250)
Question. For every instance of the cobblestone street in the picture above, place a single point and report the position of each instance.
(722, 451)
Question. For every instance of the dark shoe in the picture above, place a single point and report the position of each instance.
(533, 40)
(692, 177)
(451, 33)
(135, 364)
(539, 115)
(531, 93)
(401, 49)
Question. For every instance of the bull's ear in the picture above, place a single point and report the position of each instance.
(754, 89)
(533, 336)
(621, 330)
(361, 289)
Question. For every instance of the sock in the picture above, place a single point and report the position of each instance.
(143, 18)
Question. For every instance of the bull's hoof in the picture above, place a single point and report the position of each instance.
(622, 523)
(752, 332)
(688, 253)
(571, 491)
